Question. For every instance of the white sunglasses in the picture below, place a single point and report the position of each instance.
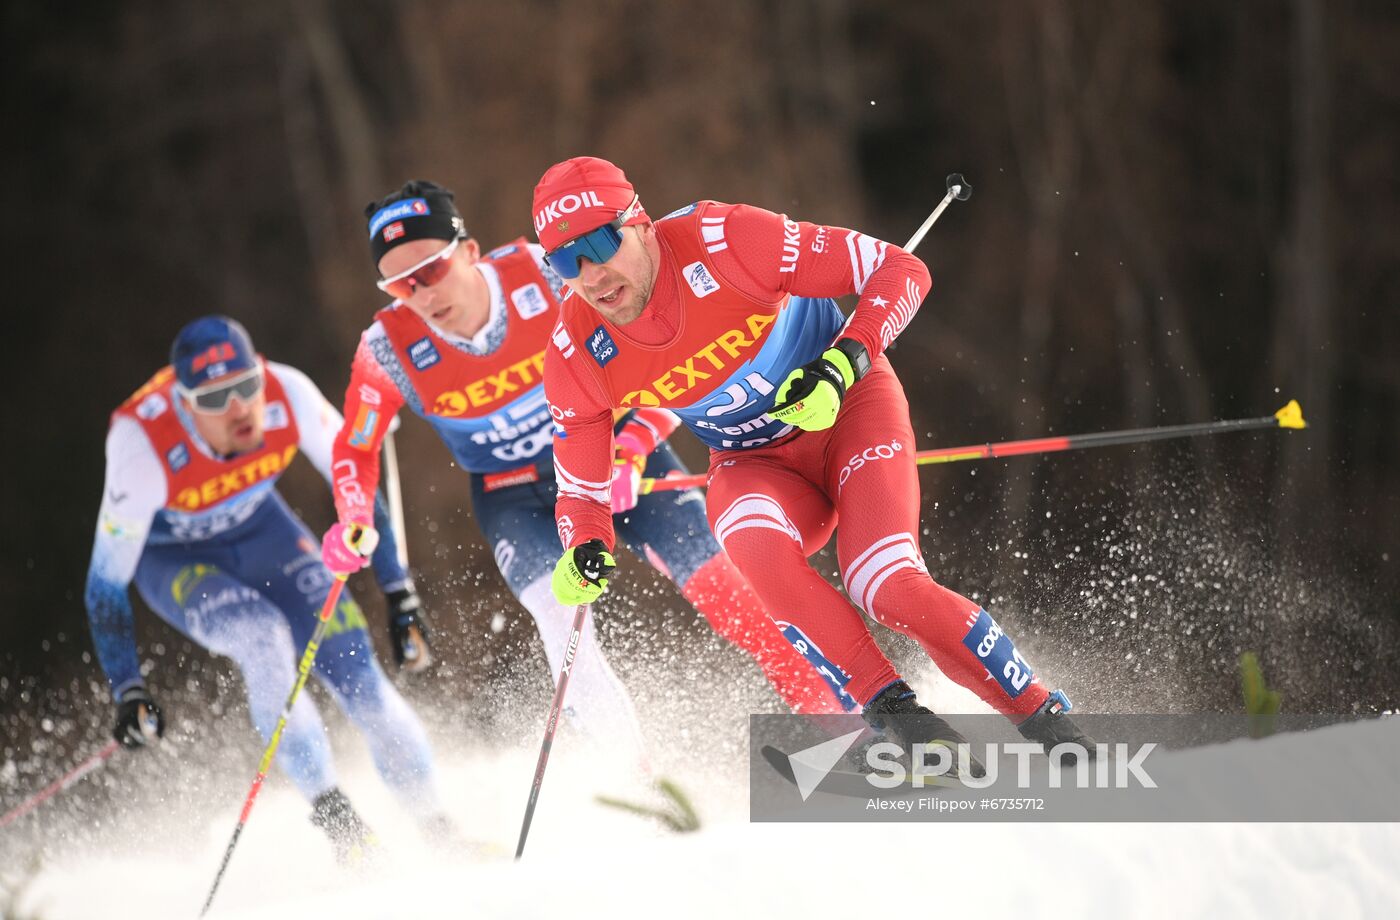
(425, 274)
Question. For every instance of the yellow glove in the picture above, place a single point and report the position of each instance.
(811, 396)
(581, 575)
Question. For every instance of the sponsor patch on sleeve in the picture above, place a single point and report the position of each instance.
(362, 434)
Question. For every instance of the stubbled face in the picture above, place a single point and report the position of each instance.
(620, 287)
(236, 430)
(458, 303)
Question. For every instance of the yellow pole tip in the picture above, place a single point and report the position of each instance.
(1291, 415)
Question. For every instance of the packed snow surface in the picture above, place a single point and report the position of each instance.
(586, 861)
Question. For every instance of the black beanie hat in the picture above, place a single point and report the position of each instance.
(420, 210)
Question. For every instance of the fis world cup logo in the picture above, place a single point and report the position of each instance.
(423, 354)
(602, 346)
(566, 204)
(178, 457)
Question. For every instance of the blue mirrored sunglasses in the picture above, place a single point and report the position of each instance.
(597, 246)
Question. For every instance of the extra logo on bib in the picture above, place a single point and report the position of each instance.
(602, 346)
(699, 279)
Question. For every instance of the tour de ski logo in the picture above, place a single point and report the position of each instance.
(699, 279)
(529, 301)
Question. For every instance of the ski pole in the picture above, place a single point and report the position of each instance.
(553, 722)
(303, 671)
(59, 785)
(958, 188)
(394, 490)
(1290, 416)
(416, 656)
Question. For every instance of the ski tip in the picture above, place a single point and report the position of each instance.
(1291, 415)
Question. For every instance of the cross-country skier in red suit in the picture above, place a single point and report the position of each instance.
(722, 313)
(463, 346)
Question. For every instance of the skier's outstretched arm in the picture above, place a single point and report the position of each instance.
(768, 254)
(132, 492)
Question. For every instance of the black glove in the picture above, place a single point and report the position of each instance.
(407, 631)
(139, 719)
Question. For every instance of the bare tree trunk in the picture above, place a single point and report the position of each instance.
(1137, 366)
(1101, 132)
(356, 139)
(352, 143)
(577, 30)
(307, 166)
(1048, 178)
(1303, 344)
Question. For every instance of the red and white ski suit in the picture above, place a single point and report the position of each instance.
(714, 326)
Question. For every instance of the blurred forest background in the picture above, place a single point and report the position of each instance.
(1183, 211)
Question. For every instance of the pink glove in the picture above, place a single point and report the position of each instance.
(628, 462)
(346, 548)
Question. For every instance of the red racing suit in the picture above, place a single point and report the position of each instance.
(730, 316)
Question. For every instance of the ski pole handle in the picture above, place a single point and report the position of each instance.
(958, 188)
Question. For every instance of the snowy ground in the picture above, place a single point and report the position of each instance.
(585, 861)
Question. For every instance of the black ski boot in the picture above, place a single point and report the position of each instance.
(897, 713)
(354, 842)
(1051, 726)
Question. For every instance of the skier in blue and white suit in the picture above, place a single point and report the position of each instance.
(190, 513)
